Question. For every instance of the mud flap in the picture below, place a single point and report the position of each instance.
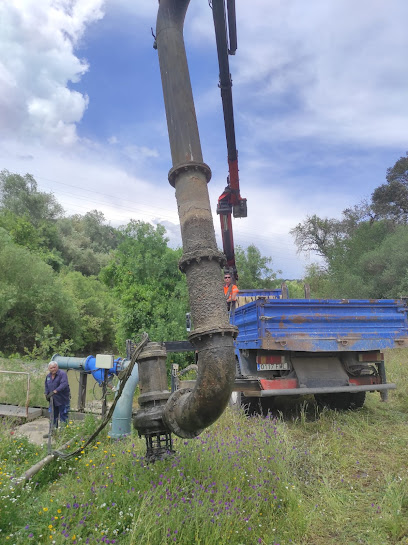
(320, 372)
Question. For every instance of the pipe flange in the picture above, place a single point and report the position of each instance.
(200, 333)
(169, 416)
(149, 420)
(185, 167)
(152, 397)
(152, 350)
(197, 256)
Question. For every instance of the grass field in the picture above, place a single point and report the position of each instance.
(302, 478)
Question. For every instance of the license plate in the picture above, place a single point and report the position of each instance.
(272, 366)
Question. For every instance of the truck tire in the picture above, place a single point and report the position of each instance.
(357, 400)
(341, 401)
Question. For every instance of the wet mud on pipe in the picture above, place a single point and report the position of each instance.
(188, 412)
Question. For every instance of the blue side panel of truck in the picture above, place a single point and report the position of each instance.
(319, 325)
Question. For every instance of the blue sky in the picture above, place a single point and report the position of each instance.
(320, 100)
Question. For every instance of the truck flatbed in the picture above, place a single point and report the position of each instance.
(321, 325)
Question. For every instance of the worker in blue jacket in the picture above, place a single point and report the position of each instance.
(57, 392)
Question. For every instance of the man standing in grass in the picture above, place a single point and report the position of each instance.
(57, 393)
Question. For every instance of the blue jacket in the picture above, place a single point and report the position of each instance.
(60, 384)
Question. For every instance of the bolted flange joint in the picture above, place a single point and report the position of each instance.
(185, 167)
(201, 334)
(197, 256)
(170, 418)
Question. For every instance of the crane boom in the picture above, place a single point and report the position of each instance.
(230, 201)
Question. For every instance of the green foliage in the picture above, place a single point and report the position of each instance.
(372, 263)
(319, 281)
(296, 289)
(318, 235)
(19, 195)
(21, 230)
(148, 285)
(96, 308)
(254, 269)
(41, 238)
(47, 343)
(364, 252)
(86, 242)
(390, 200)
(31, 297)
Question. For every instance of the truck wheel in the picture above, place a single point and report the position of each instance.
(357, 400)
(341, 401)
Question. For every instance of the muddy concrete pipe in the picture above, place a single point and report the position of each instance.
(188, 412)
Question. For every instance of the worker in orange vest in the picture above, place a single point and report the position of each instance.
(230, 290)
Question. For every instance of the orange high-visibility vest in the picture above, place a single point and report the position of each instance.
(233, 291)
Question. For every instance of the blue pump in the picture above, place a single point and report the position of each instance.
(122, 415)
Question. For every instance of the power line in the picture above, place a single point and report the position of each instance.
(278, 249)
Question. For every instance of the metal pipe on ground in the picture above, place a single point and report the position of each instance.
(29, 474)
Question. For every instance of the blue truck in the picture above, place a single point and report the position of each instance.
(332, 349)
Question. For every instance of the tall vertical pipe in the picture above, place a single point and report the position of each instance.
(188, 412)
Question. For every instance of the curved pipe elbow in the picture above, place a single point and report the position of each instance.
(122, 415)
(188, 412)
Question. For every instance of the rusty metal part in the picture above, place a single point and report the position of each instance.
(28, 387)
(154, 394)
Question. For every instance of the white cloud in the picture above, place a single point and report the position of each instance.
(140, 153)
(37, 42)
(331, 69)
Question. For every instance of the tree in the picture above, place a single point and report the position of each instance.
(151, 291)
(318, 235)
(364, 252)
(31, 298)
(20, 195)
(390, 200)
(86, 242)
(29, 216)
(253, 269)
(96, 308)
(318, 279)
(370, 263)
